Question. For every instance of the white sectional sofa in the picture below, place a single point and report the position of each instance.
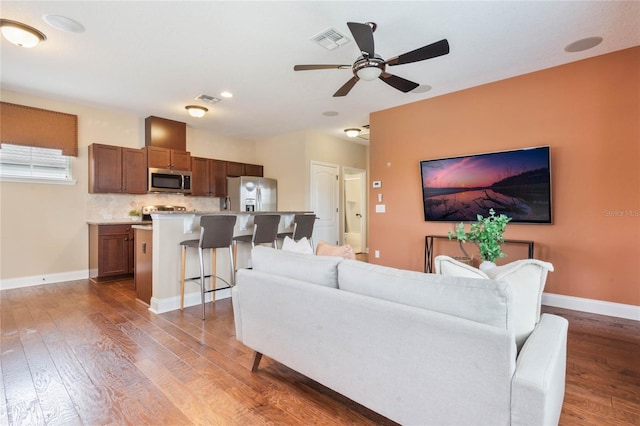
(420, 349)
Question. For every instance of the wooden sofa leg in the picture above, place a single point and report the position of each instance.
(257, 356)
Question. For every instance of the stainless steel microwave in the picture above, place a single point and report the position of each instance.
(165, 180)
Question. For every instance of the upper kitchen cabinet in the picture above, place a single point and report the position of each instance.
(218, 174)
(164, 158)
(235, 169)
(208, 177)
(200, 179)
(253, 170)
(114, 169)
(134, 171)
(165, 133)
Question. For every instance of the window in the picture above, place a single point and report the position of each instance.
(36, 165)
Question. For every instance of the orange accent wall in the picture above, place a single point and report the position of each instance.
(588, 112)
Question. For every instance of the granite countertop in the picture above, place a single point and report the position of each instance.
(122, 221)
(200, 213)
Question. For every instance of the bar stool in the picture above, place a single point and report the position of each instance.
(216, 232)
(265, 231)
(302, 227)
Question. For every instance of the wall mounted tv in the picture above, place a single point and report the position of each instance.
(516, 183)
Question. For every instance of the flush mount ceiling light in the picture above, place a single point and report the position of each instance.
(20, 34)
(352, 133)
(196, 110)
(226, 94)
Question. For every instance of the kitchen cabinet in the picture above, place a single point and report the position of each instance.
(242, 169)
(134, 171)
(143, 264)
(235, 169)
(200, 177)
(115, 169)
(165, 158)
(164, 133)
(218, 173)
(253, 170)
(111, 252)
(208, 177)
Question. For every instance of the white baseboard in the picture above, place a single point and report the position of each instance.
(600, 307)
(160, 306)
(20, 282)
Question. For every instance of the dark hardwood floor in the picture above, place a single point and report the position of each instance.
(84, 353)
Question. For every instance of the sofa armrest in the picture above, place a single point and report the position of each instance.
(537, 390)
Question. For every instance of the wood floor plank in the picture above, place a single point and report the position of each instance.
(22, 403)
(103, 356)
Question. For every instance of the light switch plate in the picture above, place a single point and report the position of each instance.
(380, 208)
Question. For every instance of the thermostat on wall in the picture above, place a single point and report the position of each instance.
(377, 183)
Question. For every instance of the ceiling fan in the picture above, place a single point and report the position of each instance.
(370, 66)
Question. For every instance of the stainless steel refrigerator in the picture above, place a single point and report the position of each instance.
(250, 193)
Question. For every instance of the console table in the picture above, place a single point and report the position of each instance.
(428, 249)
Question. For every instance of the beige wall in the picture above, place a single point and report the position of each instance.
(282, 157)
(43, 227)
(288, 158)
(588, 112)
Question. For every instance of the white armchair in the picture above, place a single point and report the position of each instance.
(526, 278)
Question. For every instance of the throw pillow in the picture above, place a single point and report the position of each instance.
(326, 249)
(302, 246)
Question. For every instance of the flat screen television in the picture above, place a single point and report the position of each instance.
(516, 183)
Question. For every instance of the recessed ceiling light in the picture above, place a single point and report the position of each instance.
(226, 94)
(423, 88)
(63, 23)
(583, 44)
(330, 113)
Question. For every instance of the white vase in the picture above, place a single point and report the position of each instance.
(486, 265)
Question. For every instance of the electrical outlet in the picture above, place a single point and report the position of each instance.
(376, 254)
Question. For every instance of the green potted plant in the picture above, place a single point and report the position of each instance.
(486, 233)
(136, 215)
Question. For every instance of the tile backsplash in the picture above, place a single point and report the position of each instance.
(117, 206)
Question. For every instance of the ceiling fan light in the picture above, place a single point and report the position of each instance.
(368, 73)
(20, 34)
(196, 110)
(352, 133)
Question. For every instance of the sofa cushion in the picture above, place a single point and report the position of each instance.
(301, 246)
(480, 300)
(320, 270)
(326, 249)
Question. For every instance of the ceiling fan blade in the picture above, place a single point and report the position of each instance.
(346, 88)
(363, 35)
(399, 83)
(320, 67)
(433, 50)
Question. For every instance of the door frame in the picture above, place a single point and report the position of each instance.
(363, 202)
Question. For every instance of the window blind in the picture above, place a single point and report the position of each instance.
(25, 162)
(28, 126)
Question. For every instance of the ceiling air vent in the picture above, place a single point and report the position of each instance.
(208, 99)
(330, 39)
(364, 134)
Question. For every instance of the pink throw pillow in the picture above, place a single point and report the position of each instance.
(326, 249)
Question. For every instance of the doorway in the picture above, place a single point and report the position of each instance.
(355, 208)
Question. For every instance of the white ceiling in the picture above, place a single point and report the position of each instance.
(155, 57)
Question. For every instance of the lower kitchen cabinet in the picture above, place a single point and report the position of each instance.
(144, 263)
(111, 252)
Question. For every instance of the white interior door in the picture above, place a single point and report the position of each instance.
(324, 201)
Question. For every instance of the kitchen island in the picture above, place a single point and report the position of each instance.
(169, 229)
